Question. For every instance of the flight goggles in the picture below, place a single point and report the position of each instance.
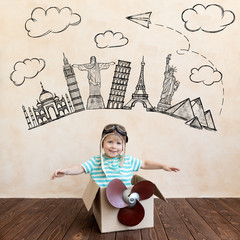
(111, 127)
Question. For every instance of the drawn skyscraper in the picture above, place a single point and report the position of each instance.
(119, 85)
(140, 94)
(72, 86)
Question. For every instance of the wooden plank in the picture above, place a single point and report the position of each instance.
(4, 201)
(173, 223)
(234, 203)
(149, 233)
(97, 235)
(40, 221)
(129, 235)
(58, 228)
(226, 211)
(18, 224)
(196, 225)
(218, 223)
(157, 232)
(17, 208)
(6, 204)
(81, 227)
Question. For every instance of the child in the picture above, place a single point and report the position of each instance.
(113, 163)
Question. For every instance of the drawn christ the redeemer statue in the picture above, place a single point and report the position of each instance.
(95, 100)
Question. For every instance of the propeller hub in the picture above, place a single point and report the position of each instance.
(130, 198)
(133, 198)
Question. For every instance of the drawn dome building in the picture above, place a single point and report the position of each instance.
(46, 96)
(49, 107)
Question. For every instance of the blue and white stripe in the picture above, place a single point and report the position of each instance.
(112, 169)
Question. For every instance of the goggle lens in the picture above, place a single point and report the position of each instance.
(120, 129)
(112, 127)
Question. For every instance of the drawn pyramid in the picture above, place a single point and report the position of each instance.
(210, 122)
(194, 123)
(198, 110)
(182, 110)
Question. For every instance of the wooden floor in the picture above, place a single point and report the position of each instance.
(68, 219)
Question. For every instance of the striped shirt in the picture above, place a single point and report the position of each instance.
(112, 169)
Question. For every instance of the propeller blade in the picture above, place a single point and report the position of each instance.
(131, 216)
(145, 189)
(114, 193)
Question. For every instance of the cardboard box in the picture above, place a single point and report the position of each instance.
(106, 215)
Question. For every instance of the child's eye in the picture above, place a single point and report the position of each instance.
(119, 143)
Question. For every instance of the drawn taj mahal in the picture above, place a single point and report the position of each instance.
(51, 107)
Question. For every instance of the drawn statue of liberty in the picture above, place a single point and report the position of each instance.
(95, 100)
(170, 85)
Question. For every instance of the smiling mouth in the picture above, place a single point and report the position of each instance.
(113, 151)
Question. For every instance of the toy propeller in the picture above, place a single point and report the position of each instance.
(131, 210)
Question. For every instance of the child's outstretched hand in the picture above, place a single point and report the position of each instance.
(58, 173)
(171, 169)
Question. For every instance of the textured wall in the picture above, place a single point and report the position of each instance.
(209, 160)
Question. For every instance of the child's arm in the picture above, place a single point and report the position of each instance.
(74, 170)
(156, 165)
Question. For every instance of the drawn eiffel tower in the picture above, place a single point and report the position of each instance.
(140, 94)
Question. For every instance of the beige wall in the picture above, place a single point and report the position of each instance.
(209, 160)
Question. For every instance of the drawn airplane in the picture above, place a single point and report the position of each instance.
(142, 19)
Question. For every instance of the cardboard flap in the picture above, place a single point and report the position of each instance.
(136, 178)
(90, 193)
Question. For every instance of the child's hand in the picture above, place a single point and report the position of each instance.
(58, 173)
(171, 169)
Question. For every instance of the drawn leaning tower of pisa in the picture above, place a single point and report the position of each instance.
(72, 86)
(119, 85)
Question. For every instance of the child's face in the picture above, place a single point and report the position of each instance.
(112, 146)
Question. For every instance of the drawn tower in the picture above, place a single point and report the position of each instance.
(140, 94)
(119, 85)
(32, 117)
(27, 117)
(72, 86)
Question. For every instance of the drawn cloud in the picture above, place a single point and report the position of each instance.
(212, 18)
(52, 20)
(26, 69)
(205, 74)
(108, 39)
